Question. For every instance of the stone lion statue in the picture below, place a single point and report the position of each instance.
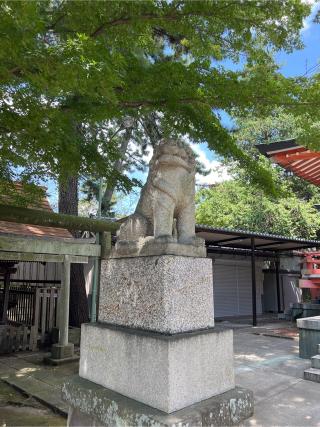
(165, 213)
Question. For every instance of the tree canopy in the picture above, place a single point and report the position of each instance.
(241, 205)
(66, 66)
(233, 204)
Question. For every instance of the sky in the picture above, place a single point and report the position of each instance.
(297, 63)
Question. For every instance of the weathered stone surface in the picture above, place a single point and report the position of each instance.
(309, 336)
(312, 374)
(166, 294)
(93, 405)
(308, 342)
(309, 323)
(166, 210)
(62, 351)
(152, 247)
(61, 354)
(165, 372)
(315, 361)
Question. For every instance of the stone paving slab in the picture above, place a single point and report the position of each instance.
(269, 384)
(298, 406)
(49, 395)
(269, 366)
(27, 373)
(17, 409)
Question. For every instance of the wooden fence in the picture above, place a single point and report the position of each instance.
(14, 338)
(32, 314)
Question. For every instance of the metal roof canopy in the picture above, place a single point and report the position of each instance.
(240, 239)
(223, 240)
(298, 159)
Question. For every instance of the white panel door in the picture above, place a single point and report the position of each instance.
(244, 290)
(225, 290)
(232, 289)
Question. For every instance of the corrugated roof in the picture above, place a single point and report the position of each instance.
(232, 238)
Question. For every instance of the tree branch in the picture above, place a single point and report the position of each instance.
(151, 17)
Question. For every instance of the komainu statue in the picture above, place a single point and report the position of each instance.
(164, 220)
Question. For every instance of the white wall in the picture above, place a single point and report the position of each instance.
(232, 290)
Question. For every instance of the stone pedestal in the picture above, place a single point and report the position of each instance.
(309, 336)
(94, 405)
(61, 354)
(163, 371)
(165, 293)
(156, 344)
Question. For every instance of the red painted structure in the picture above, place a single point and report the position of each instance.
(306, 164)
(310, 274)
(299, 160)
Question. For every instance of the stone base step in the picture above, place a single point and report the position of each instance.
(312, 374)
(315, 361)
(93, 405)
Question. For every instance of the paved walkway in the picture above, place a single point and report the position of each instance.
(17, 409)
(26, 372)
(269, 366)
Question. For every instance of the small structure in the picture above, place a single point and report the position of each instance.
(30, 289)
(311, 274)
(238, 269)
(304, 163)
(156, 342)
(46, 249)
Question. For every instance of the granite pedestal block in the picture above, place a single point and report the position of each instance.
(167, 372)
(61, 354)
(93, 405)
(164, 293)
(309, 336)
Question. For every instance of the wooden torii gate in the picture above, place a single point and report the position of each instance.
(65, 251)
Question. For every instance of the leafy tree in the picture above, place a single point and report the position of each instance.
(66, 66)
(251, 130)
(233, 204)
(134, 139)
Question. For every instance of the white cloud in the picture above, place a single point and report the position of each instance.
(307, 22)
(219, 172)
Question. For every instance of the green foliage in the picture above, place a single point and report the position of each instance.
(66, 66)
(233, 204)
(279, 125)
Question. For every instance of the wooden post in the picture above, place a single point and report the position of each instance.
(104, 239)
(43, 314)
(64, 302)
(6, 290)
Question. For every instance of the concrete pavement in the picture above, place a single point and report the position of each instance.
(272, 369)
(269, 366)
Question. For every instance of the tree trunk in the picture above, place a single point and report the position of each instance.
(78, 308)
(119, 165)
(154, 134)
